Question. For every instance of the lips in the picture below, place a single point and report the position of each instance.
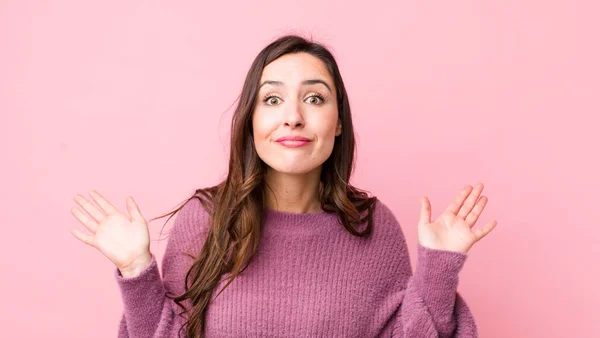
(293, 141)
(293, 138)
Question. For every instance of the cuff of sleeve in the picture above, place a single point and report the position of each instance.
(147, 272)
(436, 274)
(144, 293)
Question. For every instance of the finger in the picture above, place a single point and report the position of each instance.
(480, 233)
(90, 224)
(476, 212)
(90, 208)
(470, 202)
(459, 199)
(134, 210)
(425, 211)
(87, 239)
(103, 203)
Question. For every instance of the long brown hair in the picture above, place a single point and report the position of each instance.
(236, 204)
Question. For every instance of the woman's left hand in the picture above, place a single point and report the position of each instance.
(452, 230)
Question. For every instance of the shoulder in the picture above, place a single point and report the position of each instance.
(388, 238)
(192, 213)
(192, 223)
(185, 240)
(384, 215)
(386, 223)
(382, 212)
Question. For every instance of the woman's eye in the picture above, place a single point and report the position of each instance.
(271, 100)
(315, 99)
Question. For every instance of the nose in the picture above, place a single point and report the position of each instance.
(293, 115)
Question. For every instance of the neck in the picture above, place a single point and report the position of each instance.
(295, 193)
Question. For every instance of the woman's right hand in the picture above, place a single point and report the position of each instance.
(124, 239)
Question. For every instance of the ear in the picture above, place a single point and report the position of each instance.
(338, 129)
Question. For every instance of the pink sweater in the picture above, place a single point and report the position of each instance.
(309, 278)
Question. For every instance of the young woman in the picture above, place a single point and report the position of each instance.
(285, 246)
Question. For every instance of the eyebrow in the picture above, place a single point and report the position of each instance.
(305, 82)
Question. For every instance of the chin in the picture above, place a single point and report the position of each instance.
(293, 168)
(299, 170)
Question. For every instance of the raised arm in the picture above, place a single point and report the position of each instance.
(147, 312)
(431, 306)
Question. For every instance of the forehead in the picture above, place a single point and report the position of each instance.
(293, 68)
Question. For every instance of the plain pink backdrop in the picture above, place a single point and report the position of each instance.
(135, 98)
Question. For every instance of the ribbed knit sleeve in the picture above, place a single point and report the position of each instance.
(143, 302)
(431, 306)
(147, 312)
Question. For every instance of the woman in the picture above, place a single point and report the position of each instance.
(285, 246)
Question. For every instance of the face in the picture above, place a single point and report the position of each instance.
(296, 99)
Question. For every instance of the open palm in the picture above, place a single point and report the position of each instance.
(122, 239)
(453, 229)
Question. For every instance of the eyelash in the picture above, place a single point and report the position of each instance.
(273, 95)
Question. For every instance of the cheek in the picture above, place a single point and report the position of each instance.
(326, 124)
(262, 126)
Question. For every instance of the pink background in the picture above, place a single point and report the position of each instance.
(135, 98)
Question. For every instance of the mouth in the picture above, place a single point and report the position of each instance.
(294, 143)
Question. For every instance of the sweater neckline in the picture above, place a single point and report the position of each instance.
(289, 213)
(292, 222)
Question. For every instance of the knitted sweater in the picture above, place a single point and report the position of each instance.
(309, 278)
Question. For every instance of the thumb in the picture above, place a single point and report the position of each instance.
(134, 210)
(425, 211)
